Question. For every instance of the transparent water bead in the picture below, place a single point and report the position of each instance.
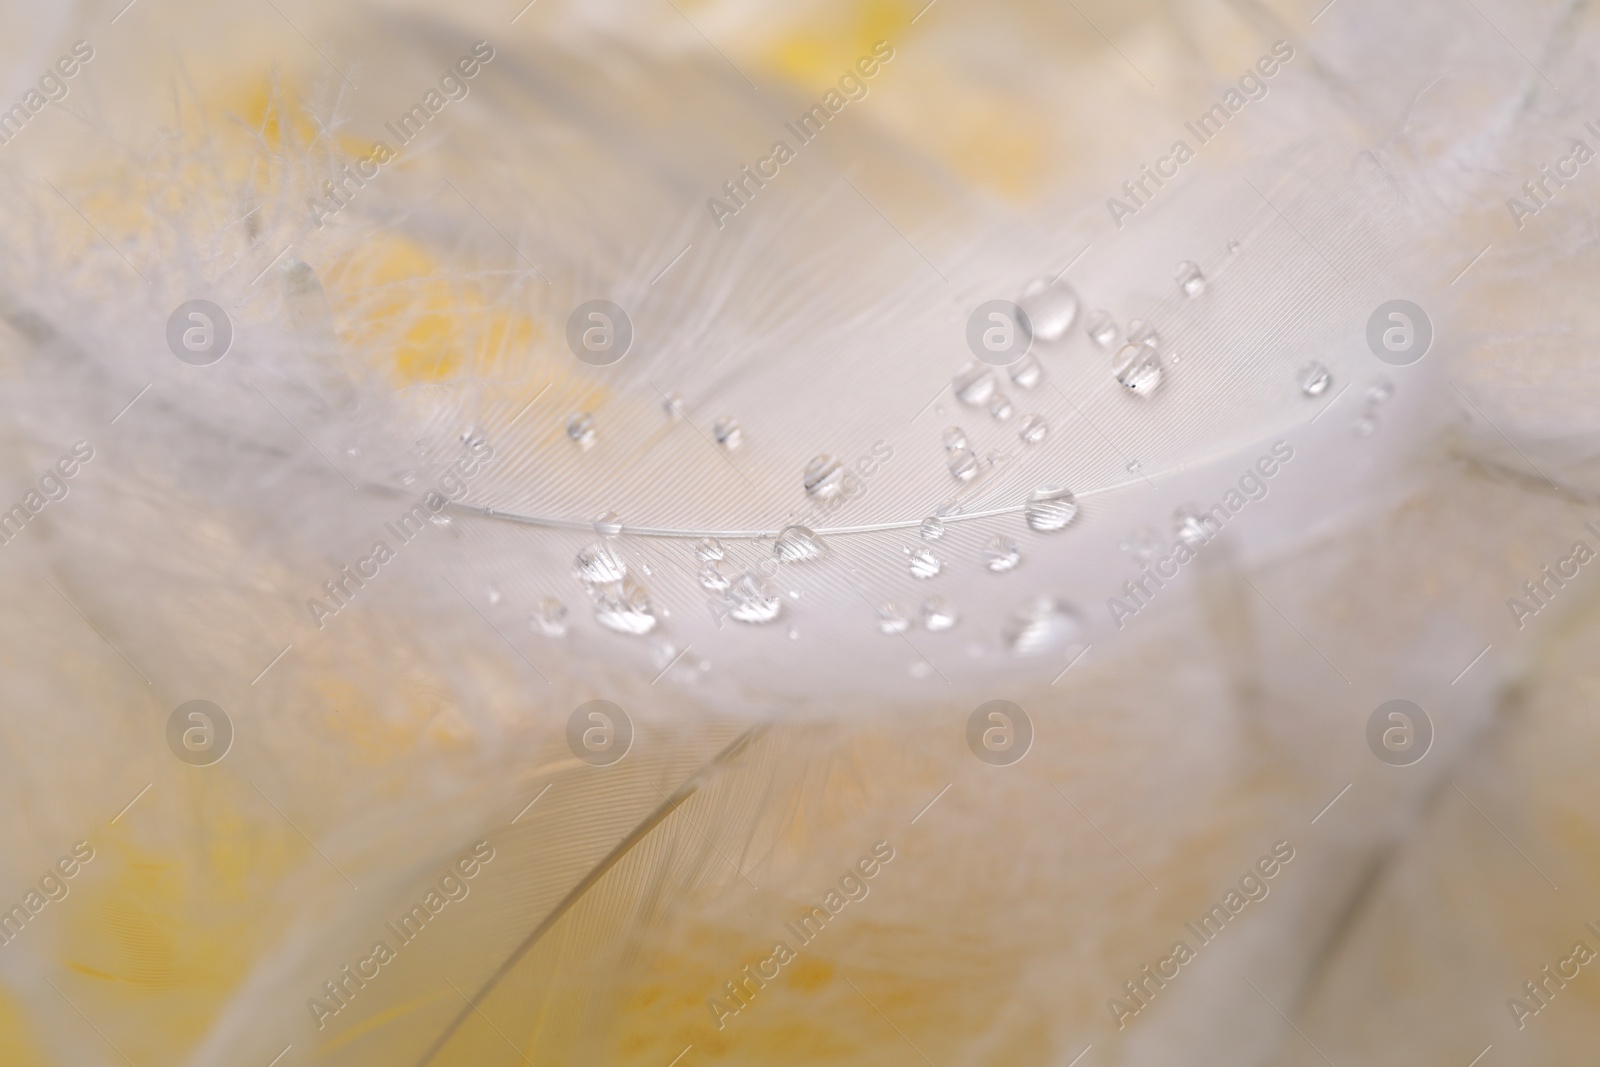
(1102, 328)
(963, 464)
(922, 563)
(581, 429)
(1194, 526)
(824, 477)
(1050, 508)
(708, 549)
(672, 404)
(549, 618)
(1041, 625)
(1050, 306)
(1033, 429)
(1366, 425)
(1027, 372)
(1190, 280)
(973, 385)
(1314, 379)
(728, 433)
(608, 524)
(955, 438)
(712, 578)
(1379, 391)
(473, 437)
(1000, 407)
(492, 595)
(798, 544)
(938, 614)
(932, 528)
(1001, 555)
(1138, 368)
(624, 607)
(601, 563)
(753, 600)
(891, 619)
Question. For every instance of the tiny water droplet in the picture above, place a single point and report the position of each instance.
(1040, 625)
(550, 618)
(712, 578)
(963, 464)
(1001, 555)
(824, 477)
(1050, 307)
(1000, 407)
(1190, 280)
(1050, 508)
(955, 439)
(728, 432)
(625, 608)
(608, 524)
(932, 528)
(1379, 391)
(892, 620)
(920, 668)
(474, 437)
(353, 451)
(708, 549)
(922, 563)
(1027, 372)
(1138, 368)
(1233, 246)
(1194, 526)
(1314, 379)
(753, 600)
(672, 405)
(938, 614)
(794, 635)
(408, 477)
(492, 595)
(973, 385)
(798, 544)
(440, 519)
(1102, 328)
(1366, 425)
(1033, 429)
(581, 429)
(601, 563)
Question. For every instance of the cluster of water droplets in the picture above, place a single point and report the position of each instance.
(621, 603)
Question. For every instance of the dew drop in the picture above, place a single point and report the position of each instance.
(922, 563)
(708, 549)
(1050, 508)
(625, 608)
(441, 520)
(1233, 246)
(892, 620)
(712, 578)
(794, 635)
(1102, 328)
(549, 618)
(1001, 555)
(1314, 379)
(798, 544)
(581, 429)
(824, 477)
(1366, 425)
(672, 405)
(474, 437)
(492, 595)
(963, 464)
(601, 563)
(1194, 526)
(1050, 307)
(938, 614)
(1041, 625)
(973, 385)
(1000, 407)
(728, 432)
(932, 528)
(753, 600)
(1027, 372)
(1190, 280)
(955, 439)
(608, 524)
(1138, 368)
(1379, 391)
(1033, 429)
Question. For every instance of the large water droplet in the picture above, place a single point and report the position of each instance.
(973, 385)
(601, 563)
(1102, 328)
(1000, 407)
(753, 600)
(955, 438)
(1138, 368)
(824, 477)
(625, 608)
(1042, 624)
(798, 544)
(1033, 429)
(1027, 372)
(728, 432)
(1050, 508)
(1050, 307)
(922, 563)
(608, 524)
(712, 578)
(938, 614)
(891, 619)
(581, 429)
(963, 464)
(1001, 555)
(549, 618)
(932, 528)
(1190, 280)
(708, 549)
(1314, 379)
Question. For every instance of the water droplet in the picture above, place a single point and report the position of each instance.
(440, 520)
(550, 618)
(798, 544)
(955, 439)
(1050, 307)
(973, 385)
(1033, 429)
(581, 429)
(1379, 391)
(1138, 368)
(408, 477)
(938, 614)
(1314, 379)
(728, 432)
(608, 524)
(1190, 280)
(708, 549)
(1027, 372)
(492, 595)
(794, 635)
(1000, 407)
(1001, 555)
(625, 608)
(1102, 328)
(753, 600)
(1041, 625)
(474, 437)
(672, 404)
(920, 668)
(824, 477)
(712, 578)
(1141, 332)
(1233, 246)
(932, 528)
(1050, 508)
(1366, 425)
(601, 563)
(963, 464)
(891, 620)
(922, 563)
(1194, 526)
